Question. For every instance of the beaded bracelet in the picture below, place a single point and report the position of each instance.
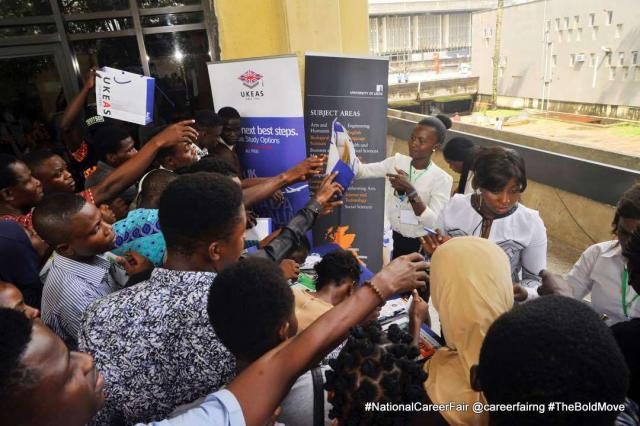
(377, 291)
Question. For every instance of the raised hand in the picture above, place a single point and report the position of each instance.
(307, 168)
(177, 133)
(403, 274)
(328, 189)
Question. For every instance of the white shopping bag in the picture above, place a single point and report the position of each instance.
(125, 96)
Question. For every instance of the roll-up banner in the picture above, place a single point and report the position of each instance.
(350, 94)
(266, 93)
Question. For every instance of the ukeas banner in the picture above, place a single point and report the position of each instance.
(266, 93)
(345, 113)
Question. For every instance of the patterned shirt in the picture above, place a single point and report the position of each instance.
(70, 287)
(140, 232)
(155, 347)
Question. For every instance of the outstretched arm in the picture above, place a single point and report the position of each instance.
(263, 188)
(71, 138)
(130, 171)
(261, 387)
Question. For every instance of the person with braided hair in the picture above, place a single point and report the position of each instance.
(375, 366)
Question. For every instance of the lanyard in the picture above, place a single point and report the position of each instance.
(411, 179)
(623, 290)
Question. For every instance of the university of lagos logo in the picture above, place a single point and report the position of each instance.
(250, 79)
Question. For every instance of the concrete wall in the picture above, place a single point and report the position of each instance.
(524, 52)
(572, 220)
(433, 89)
(250, 28)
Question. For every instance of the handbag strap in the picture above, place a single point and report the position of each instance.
(318, 396)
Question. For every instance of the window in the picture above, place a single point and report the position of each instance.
(612, 73)
(560, 33)
(618, 30)
(569, 32)
(119, 52)
(579, 34)
(548, 26)
(625, 73)
(592, 19)
(557, 24)
(593, 58)
(554, 60)
(576, 21)
(609, 60)
(594, 33)
(12, 9)
(634, 57)
(566, 23)
(609, 16)
(572, 60)
(620, 58)
(636, 73)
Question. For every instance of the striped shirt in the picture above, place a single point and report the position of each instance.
(70, 287)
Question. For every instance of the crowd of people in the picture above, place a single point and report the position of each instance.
(129, 295)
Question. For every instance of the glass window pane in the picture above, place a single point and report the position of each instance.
(100, 25)
(172, 19)
(80, 6)
(32, 94)
(15, 8)
(179, 63)
(167, 3)
(27, 30)
(118, 52)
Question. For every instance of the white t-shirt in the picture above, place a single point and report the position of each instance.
(521, 235)
(432, 184)
(599, 272)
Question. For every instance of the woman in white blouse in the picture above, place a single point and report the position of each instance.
(602, 268)
(420, 188)
(494, 212)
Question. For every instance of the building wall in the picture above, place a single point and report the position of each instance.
(546, 36)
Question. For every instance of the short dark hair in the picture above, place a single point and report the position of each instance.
(153, 185)
(553, 349)
(52, 217)
(628, 206)
(372, 368)
(460, 149)
(199, 208)
(108, 139)
(34, 159)
(255, 286)
(228, 113)
(15, 335)
(7, 176)
(445, 120)
(206, 119)
(435, 124)
(209, 164)
(335, 266)
(494, 167)
(627, 335)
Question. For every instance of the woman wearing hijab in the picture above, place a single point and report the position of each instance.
(470, 288)
(20, 262)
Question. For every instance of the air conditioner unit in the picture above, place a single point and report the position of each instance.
(580, 57)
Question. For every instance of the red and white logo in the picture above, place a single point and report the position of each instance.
(250, 79)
